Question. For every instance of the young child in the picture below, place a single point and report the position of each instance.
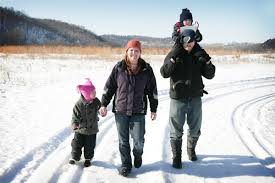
(179, 34)
(186, 21)
(85, 123)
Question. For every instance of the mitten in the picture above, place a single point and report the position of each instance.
(202, 56)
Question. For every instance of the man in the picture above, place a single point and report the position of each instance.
(185, 67)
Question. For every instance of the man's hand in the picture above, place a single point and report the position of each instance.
(203, 57)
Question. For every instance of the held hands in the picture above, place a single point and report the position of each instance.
(153, 115)
(103, 111)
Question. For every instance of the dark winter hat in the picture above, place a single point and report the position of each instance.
(187, 36)
(185, 15)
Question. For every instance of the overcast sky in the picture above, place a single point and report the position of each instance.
(220, 21)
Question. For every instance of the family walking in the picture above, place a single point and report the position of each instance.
(132, 88)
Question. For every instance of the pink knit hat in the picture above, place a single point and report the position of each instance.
(86, 88)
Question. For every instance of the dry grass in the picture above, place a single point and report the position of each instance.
(103, 52)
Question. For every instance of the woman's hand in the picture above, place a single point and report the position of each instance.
(153, 115)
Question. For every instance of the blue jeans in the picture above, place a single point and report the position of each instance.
(134, 126)
(181, 109)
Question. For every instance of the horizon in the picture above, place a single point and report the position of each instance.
(254, 25)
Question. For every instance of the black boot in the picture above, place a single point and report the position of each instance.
(87, 163)
(124, 171)
(137, 161)
(191, 145)
(176, 151)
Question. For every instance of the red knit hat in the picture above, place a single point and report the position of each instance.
(134, 43)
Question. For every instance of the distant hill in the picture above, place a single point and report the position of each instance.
(19, 29)
(269, 44)
(146, 41)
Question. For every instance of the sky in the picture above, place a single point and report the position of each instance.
(219, 21)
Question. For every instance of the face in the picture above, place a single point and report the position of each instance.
(93, 94)
(189, 46)
(187, 22)
(133, 55)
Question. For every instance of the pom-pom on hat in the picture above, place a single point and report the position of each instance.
(86, 87)
(133, 43)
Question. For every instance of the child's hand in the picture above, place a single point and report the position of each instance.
(75, 126)
(103, 111)
(196, 24)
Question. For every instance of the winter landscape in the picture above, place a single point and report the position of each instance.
(37, 94)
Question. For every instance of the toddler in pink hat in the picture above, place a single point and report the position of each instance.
(85, 123)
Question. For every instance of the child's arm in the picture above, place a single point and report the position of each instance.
(176, 32)
(75, 118)
(198, 36)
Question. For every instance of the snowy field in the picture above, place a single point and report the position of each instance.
(37, 94)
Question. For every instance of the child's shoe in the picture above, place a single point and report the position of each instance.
(87, 163)
(72, 161)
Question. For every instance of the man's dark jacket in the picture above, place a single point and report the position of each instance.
(186, 70)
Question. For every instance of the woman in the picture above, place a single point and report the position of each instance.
(130, 81)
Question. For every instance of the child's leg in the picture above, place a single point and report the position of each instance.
(89, 146)
(77, 144)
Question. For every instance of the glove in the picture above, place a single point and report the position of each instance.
(75, 126)
(202, 56)
(177, 50)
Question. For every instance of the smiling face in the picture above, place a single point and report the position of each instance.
(187, 22)
(189, 46)
(133, 55)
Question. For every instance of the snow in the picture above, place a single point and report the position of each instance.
(37, 94)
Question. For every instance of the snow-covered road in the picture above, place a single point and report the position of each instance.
(236, 145)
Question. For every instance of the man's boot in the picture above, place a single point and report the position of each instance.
(191, 145)
(176, 151)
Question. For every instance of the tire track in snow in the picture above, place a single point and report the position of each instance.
(77, 172)
(37, 156)
(250, 137)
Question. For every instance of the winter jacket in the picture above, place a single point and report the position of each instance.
(130, 91)
(176, 36)
(185, 74)
(85, 114)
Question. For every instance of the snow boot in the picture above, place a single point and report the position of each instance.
(124, 171)
(72, 161)
(137, 161)
(87, 163)
(191, 145)
(176, 151)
